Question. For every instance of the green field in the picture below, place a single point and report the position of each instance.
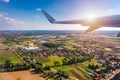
(12, 57)
(72, 70)
(93, 61)
(64, 68)
(52, 59)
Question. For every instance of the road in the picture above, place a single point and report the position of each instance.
(111, 75)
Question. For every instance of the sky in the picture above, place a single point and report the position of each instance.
(26, 14)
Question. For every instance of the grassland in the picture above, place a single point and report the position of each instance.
(8, 56)
(52, 59)
(65, 68)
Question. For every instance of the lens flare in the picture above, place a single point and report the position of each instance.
(90, 17)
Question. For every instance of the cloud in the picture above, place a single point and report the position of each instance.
(10, 21)
(1, 15)
(38, 9)
(13, 21)
(6, 1)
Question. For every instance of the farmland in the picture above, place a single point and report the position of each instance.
(77, 57)
(52, 59)
(20, 75)
(7, 55)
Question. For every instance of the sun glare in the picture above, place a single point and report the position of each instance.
(90, 17)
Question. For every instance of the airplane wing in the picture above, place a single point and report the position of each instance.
(54, 21)
(50, 19)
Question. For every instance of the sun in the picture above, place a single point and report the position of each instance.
(90, 17)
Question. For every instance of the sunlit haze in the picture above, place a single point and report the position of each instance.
(90, 16)
(26, 14)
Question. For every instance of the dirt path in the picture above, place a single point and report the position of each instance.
(20, 75)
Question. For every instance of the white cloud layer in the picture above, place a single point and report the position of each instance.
(10, 21)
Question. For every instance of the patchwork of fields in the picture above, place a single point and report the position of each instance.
(18, 75)
(76, 71)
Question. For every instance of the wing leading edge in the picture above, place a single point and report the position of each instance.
(53, 21)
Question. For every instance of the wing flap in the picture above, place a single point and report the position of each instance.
(92, 28)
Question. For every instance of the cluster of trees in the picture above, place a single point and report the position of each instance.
(101, 71)
(9, 66)
(38, 67)
(52, 45)
(72, 60)
(62, 74)
(8, 41)
(45, 70)
(93, 67)
(59, 75)
(56, 63)
(75, 59)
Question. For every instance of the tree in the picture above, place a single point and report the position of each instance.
(62, 74)
(38, 68)
(47, 68)
(65, 61)
(8, 64)
(38, 62)
(56, 63)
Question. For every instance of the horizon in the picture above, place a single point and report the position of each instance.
(58, 30)
(98, 32)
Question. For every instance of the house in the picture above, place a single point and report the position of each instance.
(117, 48)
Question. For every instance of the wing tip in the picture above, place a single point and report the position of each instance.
(49, 17)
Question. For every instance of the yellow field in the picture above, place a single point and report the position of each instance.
(20, 75)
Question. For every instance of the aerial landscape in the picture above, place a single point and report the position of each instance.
(36, 46)
(58, 55)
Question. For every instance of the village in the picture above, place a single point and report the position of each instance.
(61, 56)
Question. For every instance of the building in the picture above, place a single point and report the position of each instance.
(30, 48)
(117, 48)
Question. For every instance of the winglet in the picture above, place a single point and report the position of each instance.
(91, 28)
(50, 19)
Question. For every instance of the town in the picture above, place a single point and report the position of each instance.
(60, 56)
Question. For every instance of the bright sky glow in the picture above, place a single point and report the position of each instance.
(26, 15)
(91, 16)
